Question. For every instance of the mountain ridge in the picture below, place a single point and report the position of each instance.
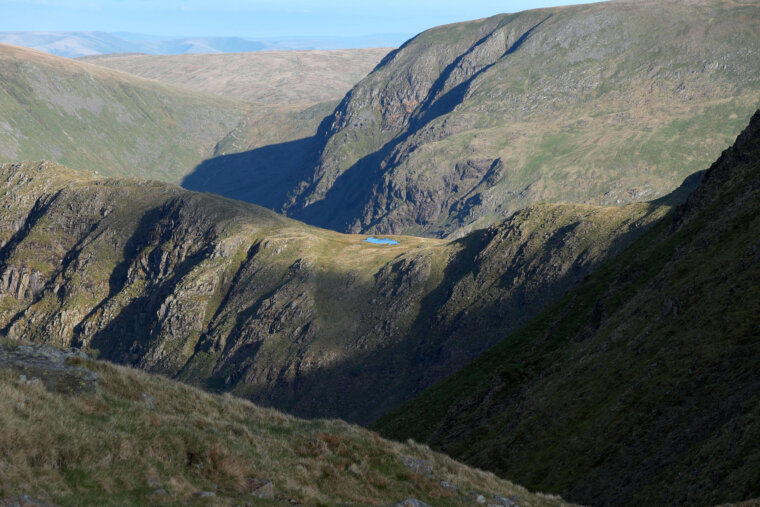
(232, 296)
(74, 44)
(466, 123)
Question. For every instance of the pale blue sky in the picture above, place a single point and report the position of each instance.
(252, 18)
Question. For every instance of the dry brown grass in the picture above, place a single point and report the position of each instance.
(269, 77)
(112, 449)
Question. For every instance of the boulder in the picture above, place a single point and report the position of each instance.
(51, 366)
(411, 502)
(418, 466)
(261, 488)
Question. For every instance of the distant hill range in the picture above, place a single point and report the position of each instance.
(119, 124)
(76, 44)
(269, 77)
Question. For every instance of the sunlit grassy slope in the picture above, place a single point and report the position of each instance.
(116, 448)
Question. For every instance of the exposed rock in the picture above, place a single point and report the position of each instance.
(448, 486)
(261, 488)
(508, 502)
(418, 466)
(411, 502)
(51, 366)
(23, 501)
(149, 401)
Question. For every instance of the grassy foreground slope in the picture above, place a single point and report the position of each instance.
(235, 297)
(270, 77)
(103, 120)
(601, 103)
(641, 385)
(143, 439)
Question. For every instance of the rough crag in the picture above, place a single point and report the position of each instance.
(235, 297)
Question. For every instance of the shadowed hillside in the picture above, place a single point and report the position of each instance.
(640, 386)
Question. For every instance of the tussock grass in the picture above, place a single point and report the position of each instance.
(113, 449)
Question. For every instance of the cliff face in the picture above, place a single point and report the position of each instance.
(235, 297)
(466, 123)
(638, 387)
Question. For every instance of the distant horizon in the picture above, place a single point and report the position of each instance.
(154, 36)
(253, 19)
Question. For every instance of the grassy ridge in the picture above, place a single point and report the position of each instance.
(113, 448)
(102, 120)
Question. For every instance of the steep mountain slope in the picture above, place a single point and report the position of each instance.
(99, 119)
(640, 386)
(271, 77)
(235, 297)
(144, 440)
(602, 103)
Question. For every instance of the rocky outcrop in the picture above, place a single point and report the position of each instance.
(55, 368)
(233, 297)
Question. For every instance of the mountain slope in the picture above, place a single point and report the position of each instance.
(142, 439)
(601, 103)
(235, 297)
(641, 385)
(99, 119)
(271, 77)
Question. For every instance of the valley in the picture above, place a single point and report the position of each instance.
(528, 241)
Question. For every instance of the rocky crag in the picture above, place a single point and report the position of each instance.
(235, 297)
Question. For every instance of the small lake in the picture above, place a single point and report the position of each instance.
(378, 241)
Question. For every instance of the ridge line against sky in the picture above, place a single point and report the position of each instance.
(254, 19)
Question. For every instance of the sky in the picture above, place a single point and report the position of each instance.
(252, 18)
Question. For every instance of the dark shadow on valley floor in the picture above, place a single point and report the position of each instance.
(262, 176)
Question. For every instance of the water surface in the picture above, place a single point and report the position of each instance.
(378, 241)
